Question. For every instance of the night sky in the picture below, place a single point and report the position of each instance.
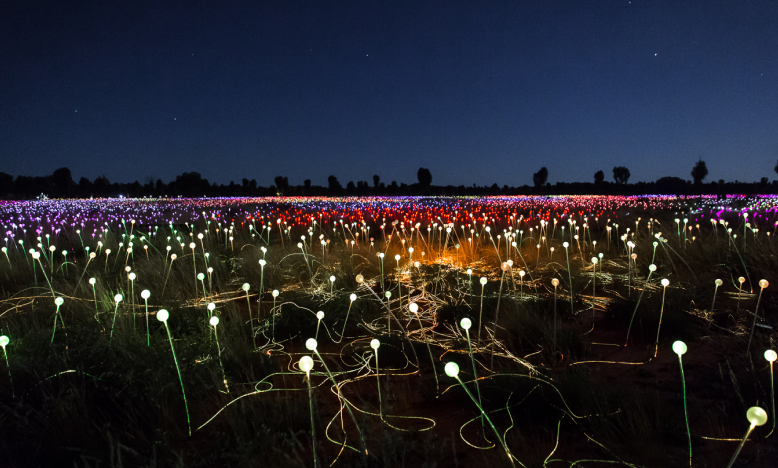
(478, 92)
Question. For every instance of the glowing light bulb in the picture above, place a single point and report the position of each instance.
(145, 294)
(306, 364)
(414, 307)
(375, 344)
(311, 344)
(59, 301)
(275, 293)
(679, 347)
(756, 416)
(483, 281)
(163, 315)
(465, 323)
(214, 321)
(118, 298)
(665, 282)
(451, 369)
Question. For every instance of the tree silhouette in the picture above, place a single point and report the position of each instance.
(282, 184)
(620, 174)
(376, 180)
(776, 168)
(599, 177)
(62, 180)
(699, 172)
(334, 185)
(539, 178)
(425, 177)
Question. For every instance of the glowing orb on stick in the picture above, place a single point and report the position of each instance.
(451, 369)
(555, 282)
(306, 364)
(665, 282)
(483, 281)
(770, 355)
(211, 306)
(59, 301)
(679, 347)
(311, 344)
(320, 315)
(163, 315)
(246, 286)
(465, 323)
(214, 321)
(4, 341)
(200, 276)
(414, 307)
(145, 294)
(763, 283)
(360, 279)
(756, 416)
(718, 282)
(118, 298)
(353, 297)
(275, 293)
(374, 343)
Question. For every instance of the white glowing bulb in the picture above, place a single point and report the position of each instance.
(665, 282)
(679, 347)
(452, 369)
(163, 315)
(320, 315)
(214, 321)
(465, 323)
(311, 344)
(414, 307)
(118, 298)
(59, 301)
(306, 364)
(275, 293)
(483, 281)
(145, 294)
(756, 416)
(374, 343)
(353, 297)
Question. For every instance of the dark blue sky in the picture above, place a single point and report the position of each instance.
(478, 92)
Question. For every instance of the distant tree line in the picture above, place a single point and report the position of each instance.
(60, 184)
